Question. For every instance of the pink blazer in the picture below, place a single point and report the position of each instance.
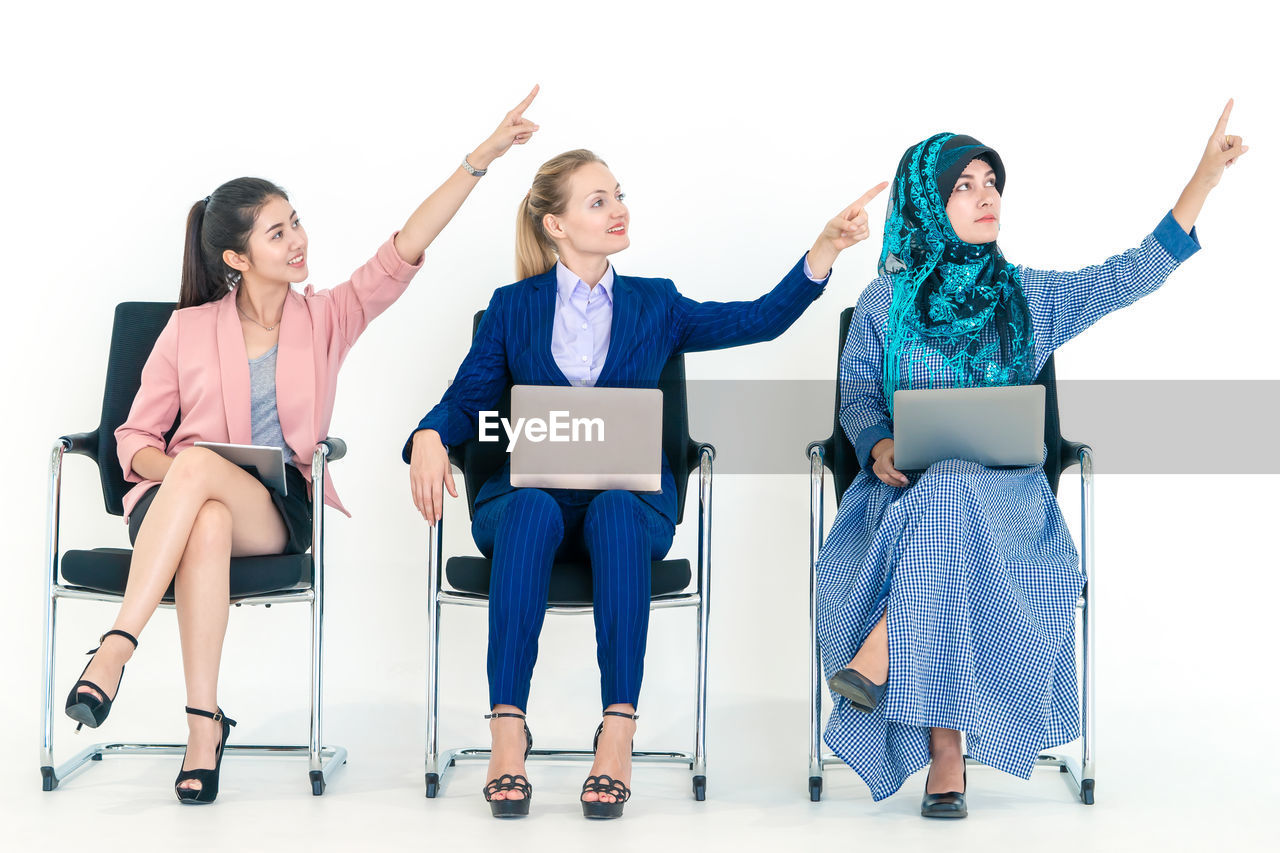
(199, 367)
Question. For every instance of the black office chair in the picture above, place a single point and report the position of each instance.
(570, 590)
(100, 574)
(837, 454)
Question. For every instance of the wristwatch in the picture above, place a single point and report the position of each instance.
(472, 170)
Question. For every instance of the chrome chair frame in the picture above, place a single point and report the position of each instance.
(438, 762)
(323, 761)
(1082, 771)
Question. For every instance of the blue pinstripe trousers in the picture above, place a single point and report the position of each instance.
(524, 532)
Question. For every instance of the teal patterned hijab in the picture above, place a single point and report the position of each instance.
(960, 301)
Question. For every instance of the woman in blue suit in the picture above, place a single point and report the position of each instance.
(572, 320)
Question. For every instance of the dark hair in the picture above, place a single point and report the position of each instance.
(220, 221)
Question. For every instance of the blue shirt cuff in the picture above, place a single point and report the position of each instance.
(809, 273)
(1175, 241)
(868, 439)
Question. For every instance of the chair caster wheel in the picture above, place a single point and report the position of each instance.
(1086, 791)
(699, 788)
(433, 784)
(47, 780)
(815, 789)
(317, 782)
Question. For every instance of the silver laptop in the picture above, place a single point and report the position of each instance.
(1001, 426)
(583, 438)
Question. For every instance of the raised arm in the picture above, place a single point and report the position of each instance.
(381, 281)
(1067, 303)
(426, 223)
(1064, 304)
(1220, 152)
(715, 325)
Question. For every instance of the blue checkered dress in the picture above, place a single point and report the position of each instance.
(974, 566)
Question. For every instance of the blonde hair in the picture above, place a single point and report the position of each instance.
(535, 250)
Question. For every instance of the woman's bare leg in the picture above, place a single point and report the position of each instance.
(946, 772)
(872, 659)
(196, 476)
(509, 742)
(613, 752)
(202, 593)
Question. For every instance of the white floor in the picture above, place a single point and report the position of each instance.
(1148, 799)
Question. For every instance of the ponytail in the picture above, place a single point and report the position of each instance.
(220, 221)
(534, 254)
(197, 288)
(535, 250)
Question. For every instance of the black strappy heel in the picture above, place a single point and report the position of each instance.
(507, 782)
(85, 708)
(208, 779)
(604, 784)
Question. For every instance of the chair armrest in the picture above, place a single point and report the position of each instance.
(816, 452)
(1071, 453)
(337, 448)
(826, 448)
(82, 443)
(458, 455)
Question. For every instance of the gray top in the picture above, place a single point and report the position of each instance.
(264, 418)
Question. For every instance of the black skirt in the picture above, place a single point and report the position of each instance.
(294, 509)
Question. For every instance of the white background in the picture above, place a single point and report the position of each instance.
(737, 130)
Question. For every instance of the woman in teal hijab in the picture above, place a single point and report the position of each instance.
(961, 300)
(946, 598)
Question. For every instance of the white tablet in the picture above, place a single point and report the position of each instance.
(265, 463)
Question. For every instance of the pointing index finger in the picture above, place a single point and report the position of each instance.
(524, 105)
(871, 193)
(1222, 120)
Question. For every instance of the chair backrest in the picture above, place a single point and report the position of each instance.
(481, 460)
(134, 331)
(840, 458)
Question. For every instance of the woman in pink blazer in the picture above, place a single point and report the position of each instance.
(246, 359)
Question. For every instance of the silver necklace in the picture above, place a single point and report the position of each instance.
(255, 322)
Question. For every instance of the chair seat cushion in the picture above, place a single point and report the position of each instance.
(570, 582)
(107, 570)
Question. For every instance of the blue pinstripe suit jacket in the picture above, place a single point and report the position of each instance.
(651, 323)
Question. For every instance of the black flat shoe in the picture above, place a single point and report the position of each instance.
(861, 691)
(950, 804)
(507, 782)
(85, 708)
(208, 779)
(603, 784)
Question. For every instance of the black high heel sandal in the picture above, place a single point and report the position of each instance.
(604, 784)
(507, 782)
(85, 708)
(208, 779)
